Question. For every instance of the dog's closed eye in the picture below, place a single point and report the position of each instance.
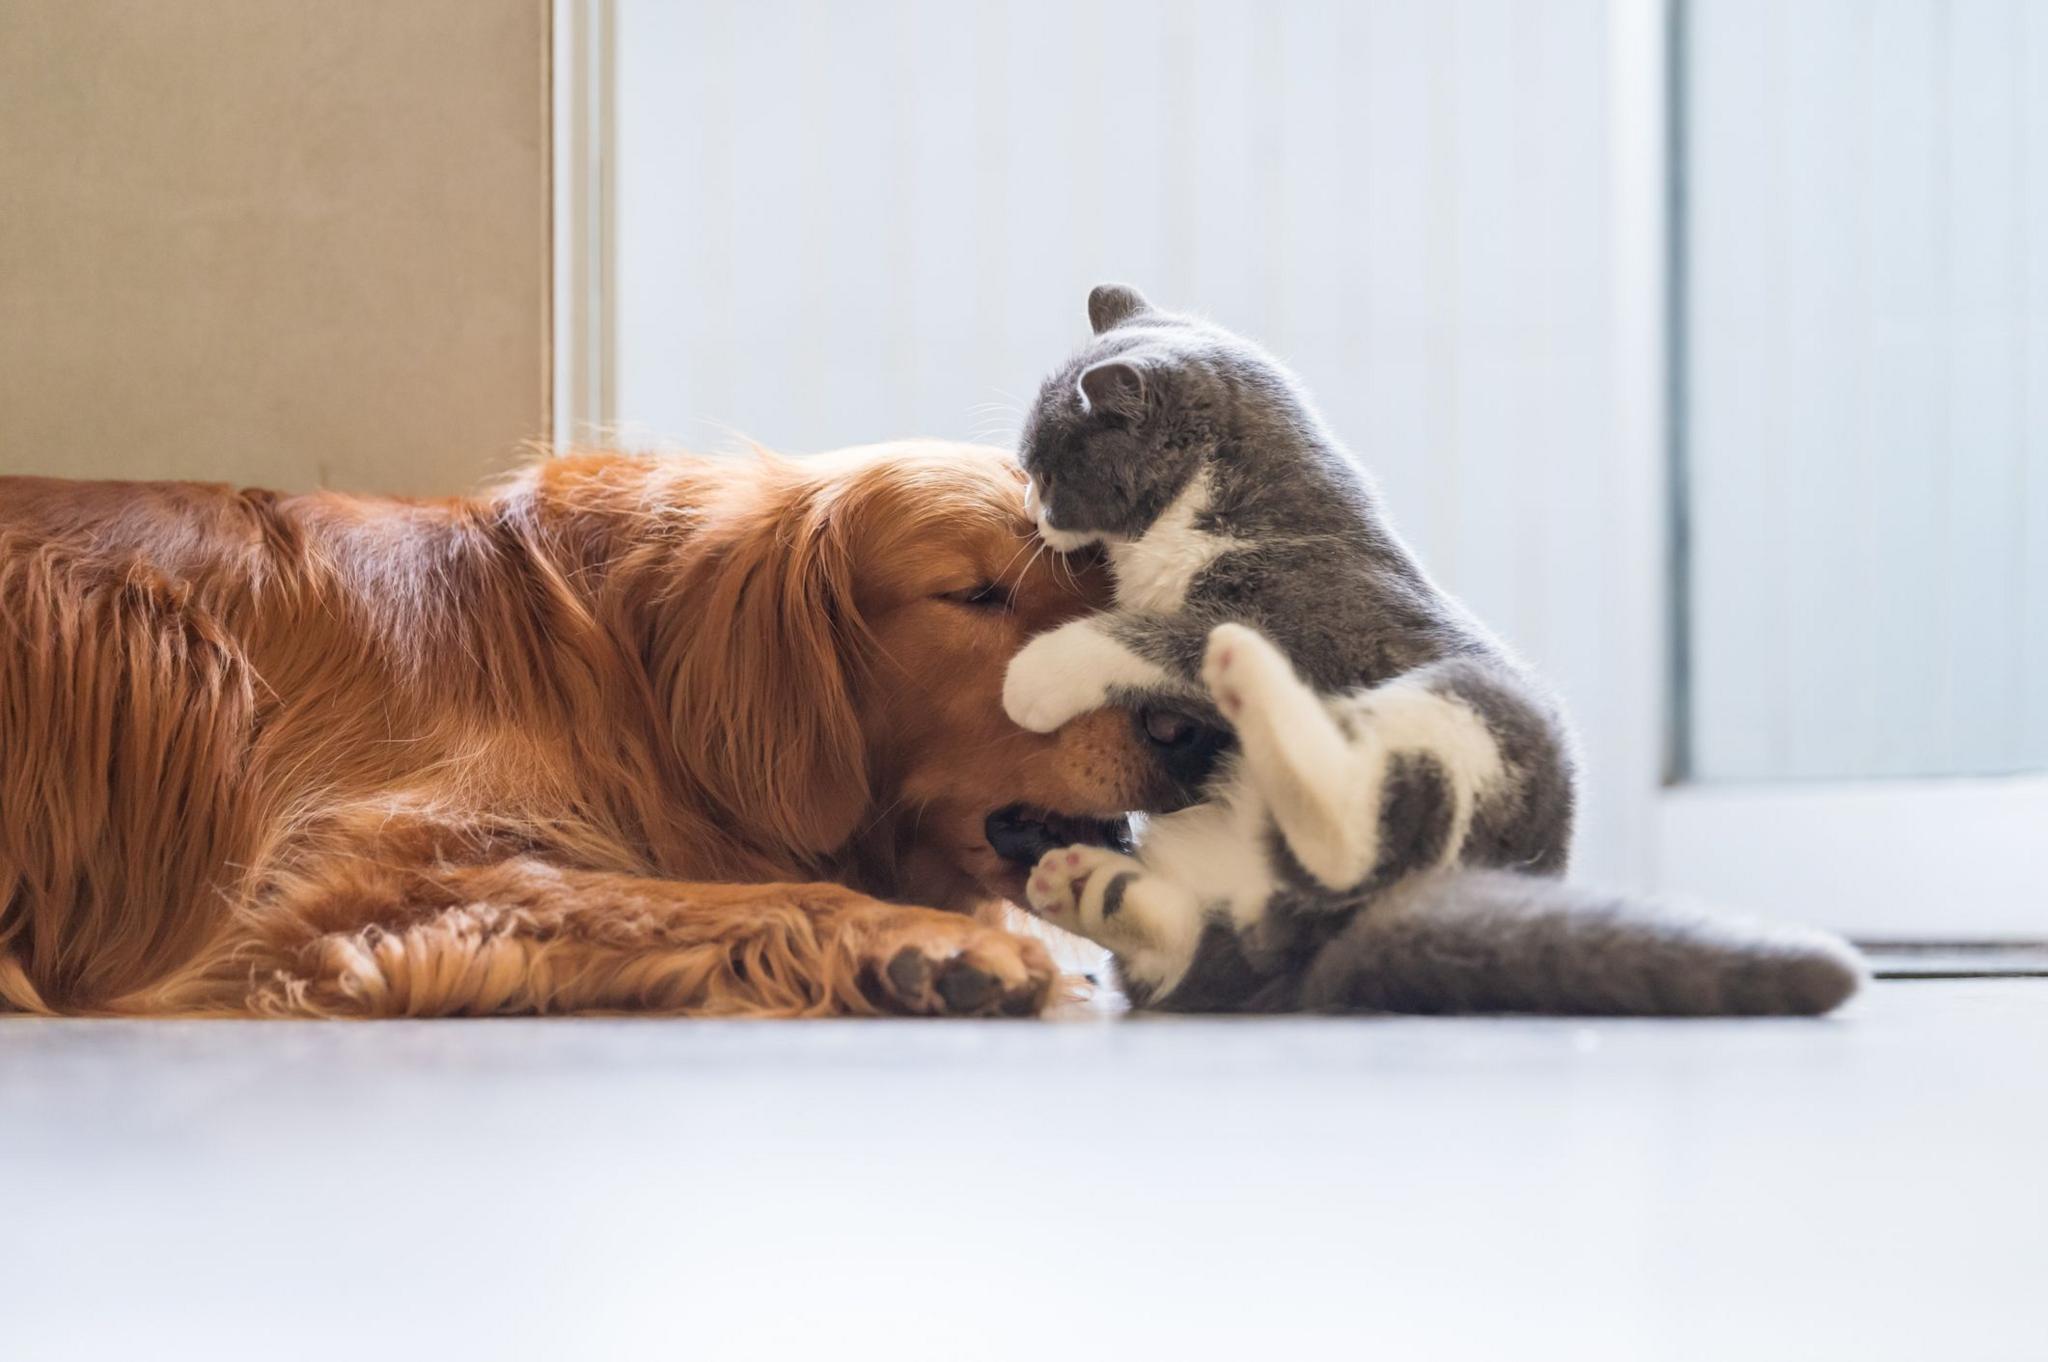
(984, 596)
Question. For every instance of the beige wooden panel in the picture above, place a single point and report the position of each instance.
(279, 243)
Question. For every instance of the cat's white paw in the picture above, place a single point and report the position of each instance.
(1110, 898)
(1063, 674)
(1040, 692)
(1060, 879)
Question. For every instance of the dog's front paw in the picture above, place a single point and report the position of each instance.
(939, 965)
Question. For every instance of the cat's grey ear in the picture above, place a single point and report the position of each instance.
(1113, 305)
(1114, 385)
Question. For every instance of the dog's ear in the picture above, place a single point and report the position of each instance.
(762, 698)
(1113, 305)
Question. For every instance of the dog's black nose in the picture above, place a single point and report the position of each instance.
(1021, 834)
(1186, 746)
(1018, 834)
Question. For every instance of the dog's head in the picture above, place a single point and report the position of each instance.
(847, 692)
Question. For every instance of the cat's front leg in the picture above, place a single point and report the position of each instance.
(1066, 672)
(1149, 922)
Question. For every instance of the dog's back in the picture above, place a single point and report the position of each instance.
(187, 671)
(201, 687)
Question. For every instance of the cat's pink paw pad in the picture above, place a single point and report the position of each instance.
(1061, 877)
(1225, 661)
(1051, 889)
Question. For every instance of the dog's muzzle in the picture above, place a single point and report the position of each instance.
(1021, 834)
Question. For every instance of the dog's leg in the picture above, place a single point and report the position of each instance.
(521, 936)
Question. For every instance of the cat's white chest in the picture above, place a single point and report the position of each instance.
(1155, 570)
(1219, 846)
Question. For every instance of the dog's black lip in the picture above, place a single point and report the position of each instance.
(1021, 833)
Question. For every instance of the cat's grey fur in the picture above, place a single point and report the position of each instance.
(1458, 941)
(1389, 833)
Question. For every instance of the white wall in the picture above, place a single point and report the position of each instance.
(837, 223)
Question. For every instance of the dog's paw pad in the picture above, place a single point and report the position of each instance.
(967, 988)
(910, 972)
(943, 966)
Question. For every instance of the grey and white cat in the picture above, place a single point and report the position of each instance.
(1389, 833)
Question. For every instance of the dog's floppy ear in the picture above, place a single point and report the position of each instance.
(762, 699)
(1113, 305)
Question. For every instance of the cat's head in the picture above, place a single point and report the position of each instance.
(1118, 431)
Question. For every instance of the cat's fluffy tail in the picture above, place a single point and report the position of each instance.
(1494, 941)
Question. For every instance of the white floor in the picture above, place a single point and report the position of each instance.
(1867, 1187)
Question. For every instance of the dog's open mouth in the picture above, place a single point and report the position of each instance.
(1021, 833)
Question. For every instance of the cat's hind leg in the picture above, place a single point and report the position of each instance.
(1151, 923)
(1367, 786)
(1299, 759)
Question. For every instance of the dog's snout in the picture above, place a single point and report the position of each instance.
(1186, 746)
(1021, 834)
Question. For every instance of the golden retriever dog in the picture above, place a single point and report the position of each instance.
(627, 734)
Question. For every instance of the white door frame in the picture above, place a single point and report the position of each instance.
(1884, 860)
(580, 71)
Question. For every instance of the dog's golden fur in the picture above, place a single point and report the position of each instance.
(628, 733)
